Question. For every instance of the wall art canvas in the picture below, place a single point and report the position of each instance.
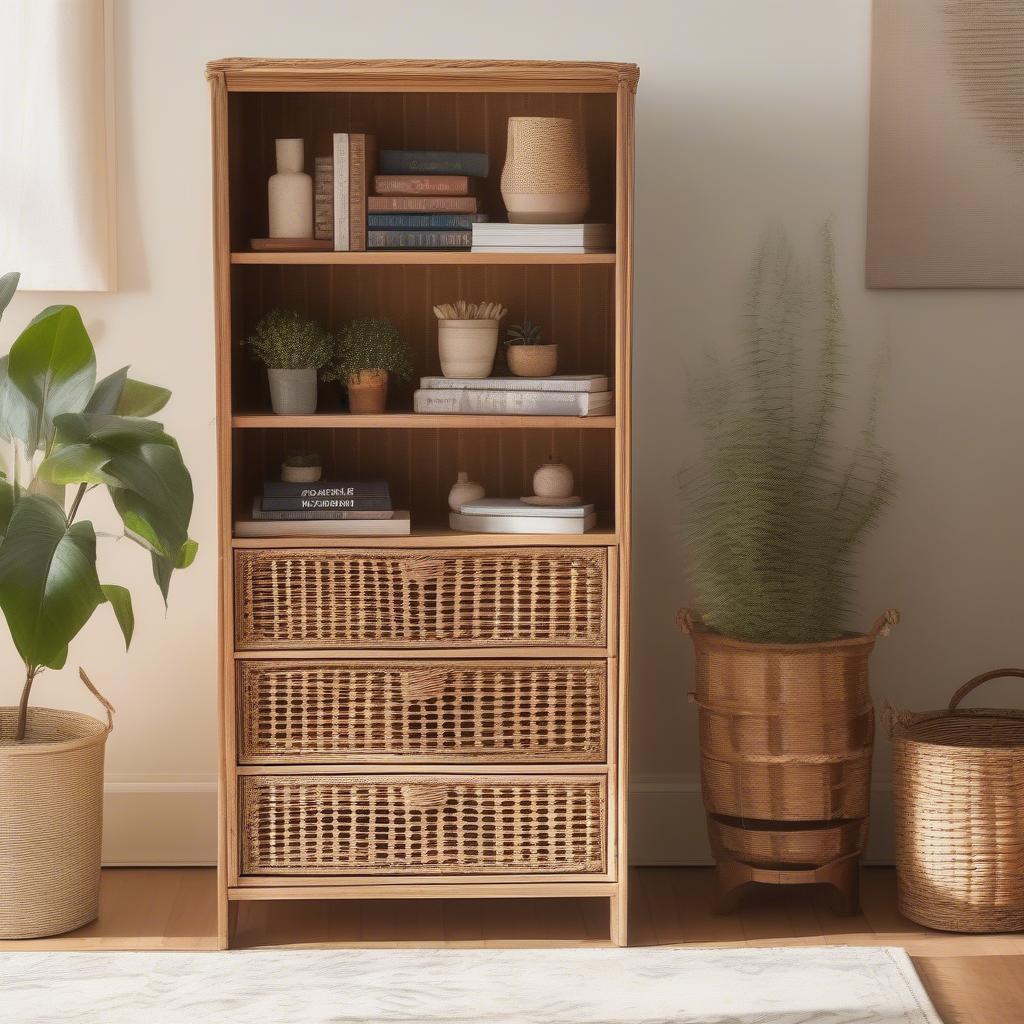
(946, 166)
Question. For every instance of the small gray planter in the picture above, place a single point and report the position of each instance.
(293, 392)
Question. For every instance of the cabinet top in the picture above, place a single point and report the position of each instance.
(258, 74)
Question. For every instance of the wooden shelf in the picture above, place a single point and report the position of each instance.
(439, 537)
(421, 421)
(424, 257)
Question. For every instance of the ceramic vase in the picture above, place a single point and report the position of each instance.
(463, 491)
(367, 391)
(301, 474)
(467, 347)
(532, 360)
(293, 392)
(544, 180)
(553, 480)
(290, 193)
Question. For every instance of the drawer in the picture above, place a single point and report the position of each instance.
(422, 824)
(447, 597)
(319, 712)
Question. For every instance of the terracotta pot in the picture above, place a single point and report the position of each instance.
(467, 347)
(367, 391)
(532, 360)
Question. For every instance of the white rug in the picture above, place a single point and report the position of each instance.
(806, 985)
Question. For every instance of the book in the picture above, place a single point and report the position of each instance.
(323, 198)
(326, 489)
(422, 204)
(419, 161)
(424, 221)
(558, 382)
(259, 512)
(362, 159)
(398, 526)
(418, 240)
(290, 245)
(512, 403)
(577, 250)
(424, 185)
(518, 507)
(498, 233)
(341, 207)
(520, 524)
(325, 504)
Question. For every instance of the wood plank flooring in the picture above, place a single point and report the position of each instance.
(973, 979)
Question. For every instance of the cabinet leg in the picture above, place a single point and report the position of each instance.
(844, 879)
(618, 926)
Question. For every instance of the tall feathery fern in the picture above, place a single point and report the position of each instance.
(775, 507)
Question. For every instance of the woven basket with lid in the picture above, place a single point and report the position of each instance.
(958, 791)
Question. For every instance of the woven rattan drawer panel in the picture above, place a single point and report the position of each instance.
(322, 712)
(422, 824)
(448, 597)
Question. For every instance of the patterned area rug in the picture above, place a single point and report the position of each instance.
(806, 985)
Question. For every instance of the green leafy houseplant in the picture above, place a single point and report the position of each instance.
(65, 428)
(527, 353)
(285, 340)
(526, 333)
(302, 460)
(369, 350)
(776, 506)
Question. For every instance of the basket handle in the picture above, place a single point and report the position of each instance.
(884, 623)
(99, 696)
(973, 684)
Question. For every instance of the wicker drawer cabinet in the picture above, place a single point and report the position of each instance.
(440, 714)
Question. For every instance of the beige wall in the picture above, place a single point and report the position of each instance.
(748, 112)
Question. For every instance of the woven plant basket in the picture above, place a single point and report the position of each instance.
(958, 791)
(51, 820)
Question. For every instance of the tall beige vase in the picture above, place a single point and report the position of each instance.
(544, 180)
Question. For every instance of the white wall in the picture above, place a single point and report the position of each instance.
(748, 112)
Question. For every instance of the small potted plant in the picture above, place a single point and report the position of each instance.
(301, 468)
(292, 348)
(83, 434)
(527, 354)
(467, 337)
(368, 351)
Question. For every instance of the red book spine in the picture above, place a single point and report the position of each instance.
(421, 204)
(424, 185)
(362, 154)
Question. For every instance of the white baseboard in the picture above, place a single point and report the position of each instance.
(172, 820)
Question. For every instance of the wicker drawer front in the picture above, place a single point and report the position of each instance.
(449, 597)
(321, 712)
(422, 824)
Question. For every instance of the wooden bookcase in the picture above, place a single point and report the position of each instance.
(357, 808)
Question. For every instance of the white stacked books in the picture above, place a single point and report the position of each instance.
(510, 515)
(399, 525)
(565, 395)
(572, 238)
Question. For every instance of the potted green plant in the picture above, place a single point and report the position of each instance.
(527, 353)
(369, 351)
(775, 507)
(65, 429)
(292, 348)
(301, 468)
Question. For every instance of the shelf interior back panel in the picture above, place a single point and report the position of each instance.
(421, 465)
(574, 305)
(475, 122)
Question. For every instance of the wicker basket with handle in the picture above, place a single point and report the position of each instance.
(958, 790)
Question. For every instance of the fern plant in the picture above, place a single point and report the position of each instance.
(775, 506)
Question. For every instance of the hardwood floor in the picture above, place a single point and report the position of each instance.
(973, 979)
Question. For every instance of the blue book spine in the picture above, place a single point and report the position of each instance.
(424, 221)
(417, 161)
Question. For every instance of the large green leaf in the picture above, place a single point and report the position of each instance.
(76, 464)
(6, 506)
(108, 392)
(48, 583)
(121, 601)
(163, 567)
(52, 366)
(8, 286)
(141, 399)
(101, 428)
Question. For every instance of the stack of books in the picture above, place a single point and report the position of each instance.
(327, 508)
(511, 515)
(574, 238)
(425, 199)
(560, 395)
(341, 186)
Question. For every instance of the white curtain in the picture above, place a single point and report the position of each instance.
(57, 144)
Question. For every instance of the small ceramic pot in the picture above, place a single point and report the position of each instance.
(532, 360)
(367, 391)
(553, 480)
(293, 392)
(300, 474)
(463, 490)
(467, 347)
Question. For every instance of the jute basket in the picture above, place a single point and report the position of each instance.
(51, 820)
(958, 790)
